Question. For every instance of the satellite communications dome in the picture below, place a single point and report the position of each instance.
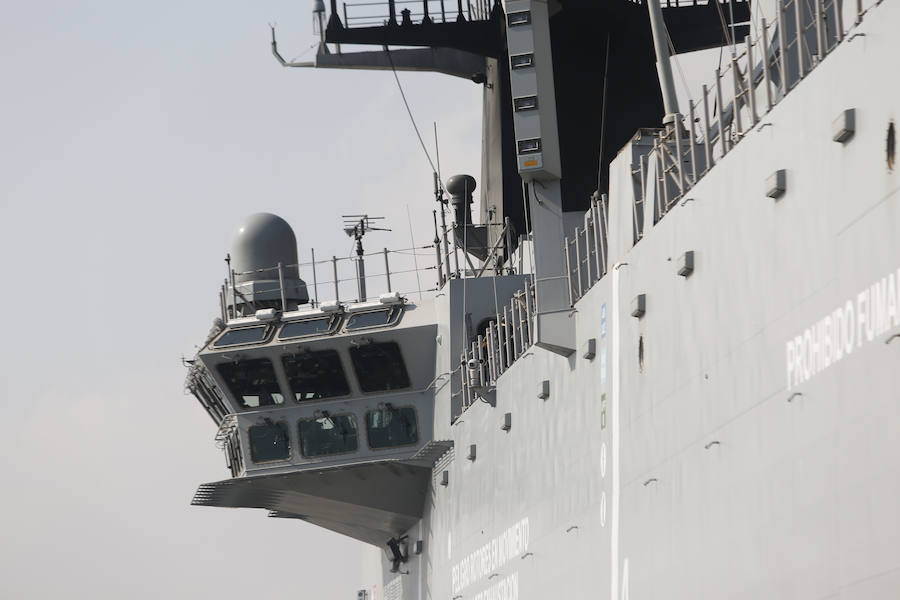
(258, 246)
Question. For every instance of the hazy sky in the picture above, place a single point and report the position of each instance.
(135, 137)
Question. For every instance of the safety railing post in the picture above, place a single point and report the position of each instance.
(707, 143)
(738, 84)
(387, 269)
(577, 261)
(801, 36)
(315, 281)
(820, 31)
(638, 228)
(677, 125)
(529, 310)
(492, 373)
(498, 348)
(595, 225)
(782, 50)
(719, 99)
(604, 229)
(692, 133)
(588, 249)
(751, 85)
(281, 287)
(334, 267)
(662, 183)
(517, 330)
(481, 366)
(234, 312)
(838, 20)
(506, 341)
(767, 78)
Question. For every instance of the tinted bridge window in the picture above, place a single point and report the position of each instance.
(270, 441)
(331, 434)
(392, 427)
(315, 375)
(252, 382)
(379, 367)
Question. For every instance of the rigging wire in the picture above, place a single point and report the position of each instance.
(677, 62)
(437, 154)
(311, 46)
(728, 38)
(415, 260)
(603, 115)
(408, 110)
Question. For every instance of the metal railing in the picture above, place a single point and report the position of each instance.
(761, 72)
(414, 271)
(587, 250)
(410, 12)
(201, 385)
(338, 278)
(684, 3)
(228, 440)
(503, 342)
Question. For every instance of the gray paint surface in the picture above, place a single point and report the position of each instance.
(687, 459)
(730, 484)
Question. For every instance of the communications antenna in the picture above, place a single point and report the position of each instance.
(357, 226)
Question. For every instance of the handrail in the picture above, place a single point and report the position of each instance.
(501, 239)
(680, 158)
(429, 11)
(506, 339)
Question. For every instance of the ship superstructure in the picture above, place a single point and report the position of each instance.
(662, 362)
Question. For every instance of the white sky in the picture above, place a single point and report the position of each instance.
(135, 137)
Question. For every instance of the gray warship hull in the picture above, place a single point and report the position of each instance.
(739, 440)
(702, 401)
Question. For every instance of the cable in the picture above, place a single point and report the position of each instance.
(728, 39)
(603, 114)
(408, 110)
(304, 52)
(415, 260)
(684, 82)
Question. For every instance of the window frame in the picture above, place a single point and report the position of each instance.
(290, 446)
(287, 376)
(395, 312)
(359, 380)
(415, 416)
(335, 322)
(328, 416)
(267, 335)
(239, 398)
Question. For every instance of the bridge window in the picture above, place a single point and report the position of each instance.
(392, 427)
(329, 434)
(270, 441)
(379, 367)
(245, 335)
(252, 382)
(308, 327)
(374, 318)
(315, 375)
